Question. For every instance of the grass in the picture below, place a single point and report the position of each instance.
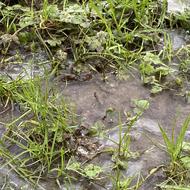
(43, 148)
(132, 30)
(39, 136)
(122, 35)
(177, 171)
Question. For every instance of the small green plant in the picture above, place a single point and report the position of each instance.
(153, 70)
(91, 171)
(139, 105)
(121, 154)
(120, 181)
(174, 147)
(42, 137)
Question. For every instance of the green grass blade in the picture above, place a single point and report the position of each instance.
(179, 142)
(169, 145)
(174, 123)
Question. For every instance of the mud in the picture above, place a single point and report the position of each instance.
(117, 95)
(94, 96)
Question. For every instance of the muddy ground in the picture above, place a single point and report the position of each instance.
(94, 96)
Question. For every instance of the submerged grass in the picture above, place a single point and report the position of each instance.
(41, 137)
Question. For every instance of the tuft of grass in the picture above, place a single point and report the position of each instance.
(41, 137)
(178, 168)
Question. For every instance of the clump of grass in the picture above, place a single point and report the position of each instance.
(116, 32)
(178, 169)
(8, 89)
(41, 137)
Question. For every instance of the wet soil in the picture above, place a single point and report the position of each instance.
(117, 94)
(94, 96)
(178, 5)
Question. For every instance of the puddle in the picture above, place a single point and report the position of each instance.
(178, 38)
(94, 97)
(178, 5)
(146, 124)
(30, 67)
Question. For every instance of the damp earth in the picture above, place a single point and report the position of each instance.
(102, 104)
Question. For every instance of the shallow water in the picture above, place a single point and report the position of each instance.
(95, 97)
(117, 95)
(178, 5)
(30, 66)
